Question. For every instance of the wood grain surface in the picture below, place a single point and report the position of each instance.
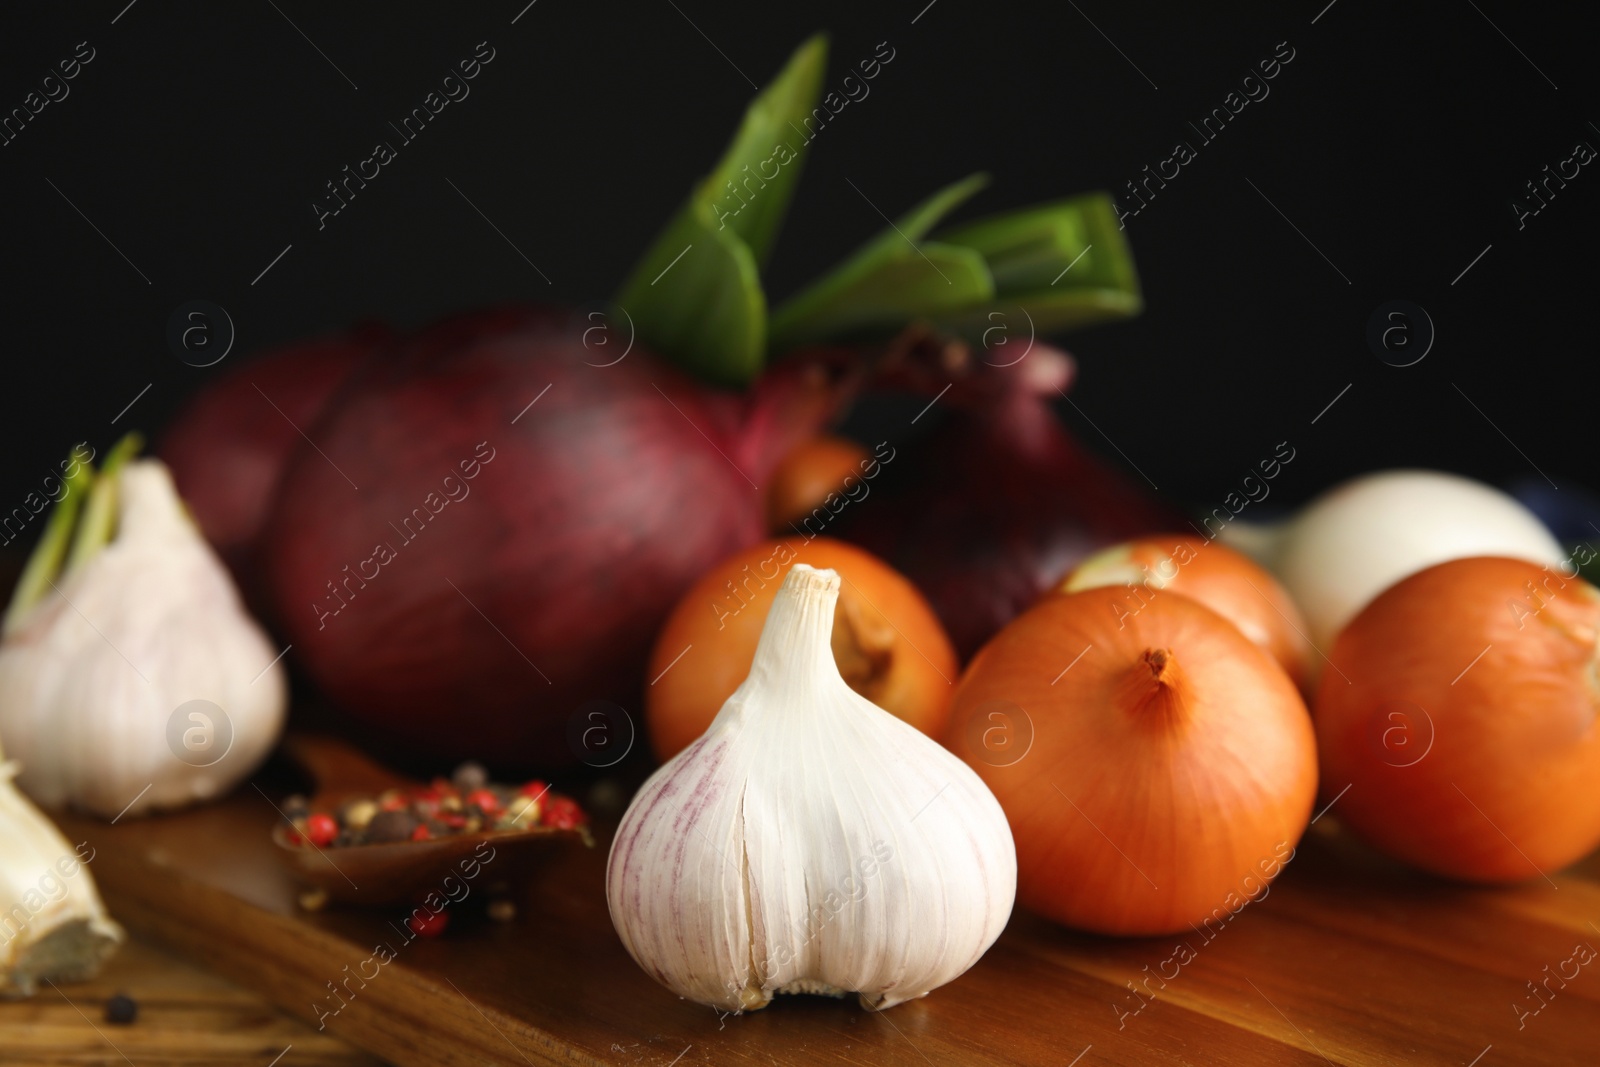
(1349, 960)
(186, 1016)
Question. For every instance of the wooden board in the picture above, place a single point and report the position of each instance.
(1349, 960)
(186, 1016)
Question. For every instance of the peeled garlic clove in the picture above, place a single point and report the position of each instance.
(809, 842)
(55, 926)
(92, 673)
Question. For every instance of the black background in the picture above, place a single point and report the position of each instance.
(200, 135)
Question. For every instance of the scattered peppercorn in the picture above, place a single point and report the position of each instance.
(121, 1009)
(563, 813)
(389, 826)
(465, 803)
(321, 829)
(426, 923)
(357, 814)
(470, 776)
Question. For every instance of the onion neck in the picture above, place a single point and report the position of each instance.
(1154, 687)
(793, 401)
(863, 649)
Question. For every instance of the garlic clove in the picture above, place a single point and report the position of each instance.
(809, 841)
(55, 926)
(94, 673)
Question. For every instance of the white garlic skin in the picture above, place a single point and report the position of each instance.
(56, 928)
(87, 729)
(803, 795)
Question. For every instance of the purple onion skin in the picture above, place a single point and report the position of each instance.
(540, 582)
(228, 446)
(1000, 503)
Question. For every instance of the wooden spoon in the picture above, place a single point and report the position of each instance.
(401, 870)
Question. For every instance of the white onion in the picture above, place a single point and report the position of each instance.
(1357, 539)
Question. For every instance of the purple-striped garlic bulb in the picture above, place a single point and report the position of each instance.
(809, 842)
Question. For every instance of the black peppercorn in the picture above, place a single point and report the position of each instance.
(122, 1009)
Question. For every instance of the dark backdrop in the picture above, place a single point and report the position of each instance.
(1384, 162)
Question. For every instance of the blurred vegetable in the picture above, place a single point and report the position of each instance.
(712, 319)
(524, 520)
(1156, 774)
(1225, 581)
(1359, 538)
(789, 850)
(1066, 262)
(107, 642)
(1002, 500)
(891, 279)
(1051, 267)
(813, 471)
(887, 643)
(1460, 724)
(55, 927)
(229, 445)
(627, 480)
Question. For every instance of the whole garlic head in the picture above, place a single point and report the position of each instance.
(809, 842)
(93, 672)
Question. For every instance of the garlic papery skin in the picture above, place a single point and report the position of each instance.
(1360, 537)
(92, 674)
(809, 842)
(53, 925)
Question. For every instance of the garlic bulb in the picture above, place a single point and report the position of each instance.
(1357, 539)
(54, 926)
(809, 842)
(134, 680)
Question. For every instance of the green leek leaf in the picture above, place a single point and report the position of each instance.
(707, 312)
(891, 279)
(1067, 263)
(697, 298)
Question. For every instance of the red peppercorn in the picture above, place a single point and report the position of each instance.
(321, 829)
(425, 807)
(563, 813)
(534, 788)
(452, 820)
(484, 801)
(421, 833)
(426, 923)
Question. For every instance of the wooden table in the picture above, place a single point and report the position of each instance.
(186, 1016)
(1349, 960)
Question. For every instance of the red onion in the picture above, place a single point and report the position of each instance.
(227, 448)
(493, 524)
(999, 501)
